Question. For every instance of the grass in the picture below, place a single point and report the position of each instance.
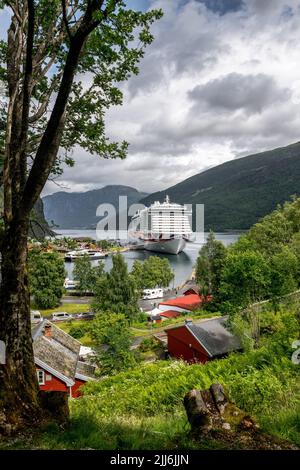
(69, 308)
(85, 340)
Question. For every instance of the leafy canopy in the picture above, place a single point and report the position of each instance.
(116, 291)
(111, 334)
(111, 54)
(86, 275)
(153, 272)
(209, 265)
(47, 275)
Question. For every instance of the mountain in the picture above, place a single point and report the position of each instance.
(78, 210)
(238, 193)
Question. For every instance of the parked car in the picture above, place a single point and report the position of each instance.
(35, 316)
(85, 315)
(61, 316)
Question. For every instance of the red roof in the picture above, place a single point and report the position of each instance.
(188, 302)
(170, 314)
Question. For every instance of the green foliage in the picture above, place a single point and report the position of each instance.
(112, 337)
(105, 245)
(245, 279)
(209, 266)
(116, 291)
(143, 408)
(111, 55)
(47, 275)
(153, 272)
(149, 344)
(86, 275)
(78, 331)
(284, 270)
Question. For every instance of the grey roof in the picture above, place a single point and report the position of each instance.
(214, 336)
(60, 352)
(85, 369)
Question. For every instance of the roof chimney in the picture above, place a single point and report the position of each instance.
(48, 331)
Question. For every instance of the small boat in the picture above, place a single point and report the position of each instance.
(92, 254)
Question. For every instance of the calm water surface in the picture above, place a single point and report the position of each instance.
(182, 264)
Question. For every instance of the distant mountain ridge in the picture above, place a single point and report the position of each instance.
(239, 192)
(78, 210)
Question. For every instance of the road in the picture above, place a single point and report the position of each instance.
(146, 305)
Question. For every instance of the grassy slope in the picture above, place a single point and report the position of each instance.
(237, 193)
(142, 408)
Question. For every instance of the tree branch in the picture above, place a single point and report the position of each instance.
(65, 19)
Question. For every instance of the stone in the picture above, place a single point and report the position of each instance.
(196, 410)
(226, 426)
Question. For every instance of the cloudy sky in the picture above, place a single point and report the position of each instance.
(220, 81)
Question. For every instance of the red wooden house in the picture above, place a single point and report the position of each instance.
(184, 303)
(201, 342)
(56, 356)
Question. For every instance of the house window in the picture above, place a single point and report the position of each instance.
(48, 377)
(41, 377)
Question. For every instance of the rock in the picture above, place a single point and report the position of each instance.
(219, 397)
(248, 424)
(197, 412)
(226, 426)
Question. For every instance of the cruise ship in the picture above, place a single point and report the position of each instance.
(162, 227)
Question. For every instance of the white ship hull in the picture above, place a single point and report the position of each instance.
(172, 247)
(164, 228)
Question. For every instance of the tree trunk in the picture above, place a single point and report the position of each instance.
(19, 406)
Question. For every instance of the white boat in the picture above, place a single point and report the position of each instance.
(162, 227)
(92, 254)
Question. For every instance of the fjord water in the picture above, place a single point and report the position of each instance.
(182, 264)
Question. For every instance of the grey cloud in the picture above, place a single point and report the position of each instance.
(235, 91)
(184, 43)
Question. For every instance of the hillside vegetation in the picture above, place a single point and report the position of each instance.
(143, 408)
(238, 193)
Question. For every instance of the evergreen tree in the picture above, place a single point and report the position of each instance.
(116, 291)
(47, 275)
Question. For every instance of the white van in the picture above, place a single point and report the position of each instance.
(153, 294)
(35, 316)
(61, 316)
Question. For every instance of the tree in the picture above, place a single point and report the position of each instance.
(245, 280)
(284, 271)
(86, 275)
(116, 291)
(48, 109)
(47, 275)
(137, 273)
(154, 272)
(112, 337)
(209, 266)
